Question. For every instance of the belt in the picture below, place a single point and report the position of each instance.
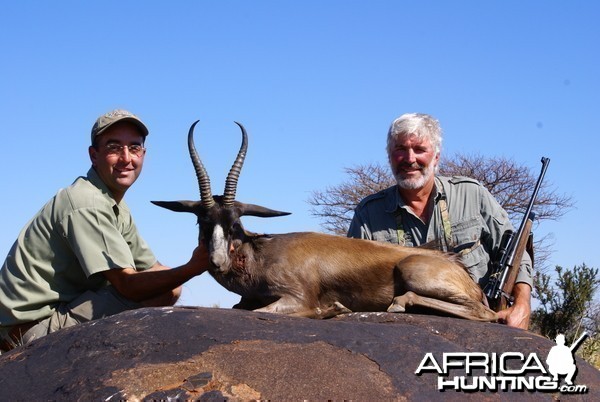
(14, 335)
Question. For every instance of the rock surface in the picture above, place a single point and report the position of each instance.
(210, 354)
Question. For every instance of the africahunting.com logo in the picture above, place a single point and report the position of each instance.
(510, 371)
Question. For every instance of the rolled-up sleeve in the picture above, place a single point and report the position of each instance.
(95, 237)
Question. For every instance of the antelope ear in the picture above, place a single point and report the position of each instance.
(178, 206)
(257, 210)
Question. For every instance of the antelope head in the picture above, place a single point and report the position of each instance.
(219, 216)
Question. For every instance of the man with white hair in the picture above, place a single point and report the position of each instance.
(456, 213)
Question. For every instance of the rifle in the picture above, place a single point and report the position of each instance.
(510, 253)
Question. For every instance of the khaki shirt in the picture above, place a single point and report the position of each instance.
(80, 232)
(477, 222)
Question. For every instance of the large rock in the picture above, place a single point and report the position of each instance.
(215, 354)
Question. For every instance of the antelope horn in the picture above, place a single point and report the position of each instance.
(234, 172)
(203, 179)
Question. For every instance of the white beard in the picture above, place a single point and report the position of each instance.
(415, 182)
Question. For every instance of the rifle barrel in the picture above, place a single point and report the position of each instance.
(545, 162)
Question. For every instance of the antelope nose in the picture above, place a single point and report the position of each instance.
(218, 259)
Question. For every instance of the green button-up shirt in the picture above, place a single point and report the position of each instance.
(476, 220)
(80, 232)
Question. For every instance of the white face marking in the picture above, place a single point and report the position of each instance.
(218, 247)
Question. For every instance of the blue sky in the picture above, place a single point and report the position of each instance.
(315, 83)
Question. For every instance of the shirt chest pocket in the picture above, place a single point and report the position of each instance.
(466, 233)
(476, 261)
(386, 236)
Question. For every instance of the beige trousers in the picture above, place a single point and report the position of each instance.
(91, 305)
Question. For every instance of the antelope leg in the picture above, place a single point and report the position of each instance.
(464, 308)
(292, 307)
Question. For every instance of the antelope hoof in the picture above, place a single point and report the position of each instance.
(336, 308)
(395, 308)
(340, 308)
(398, 305)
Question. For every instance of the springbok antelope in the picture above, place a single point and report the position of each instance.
(319, 275)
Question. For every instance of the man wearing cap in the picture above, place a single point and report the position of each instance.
(81, 258)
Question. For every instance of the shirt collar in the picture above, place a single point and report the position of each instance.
(393, 201)
(439, 189)
(93, 178)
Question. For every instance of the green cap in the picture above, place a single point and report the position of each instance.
(117, 115)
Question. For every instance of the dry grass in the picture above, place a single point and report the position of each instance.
(590, 351)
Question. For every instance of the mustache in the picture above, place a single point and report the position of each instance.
(413, 165)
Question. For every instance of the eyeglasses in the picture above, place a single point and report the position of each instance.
(136, 151)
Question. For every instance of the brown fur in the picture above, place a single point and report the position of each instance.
(318, 275)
